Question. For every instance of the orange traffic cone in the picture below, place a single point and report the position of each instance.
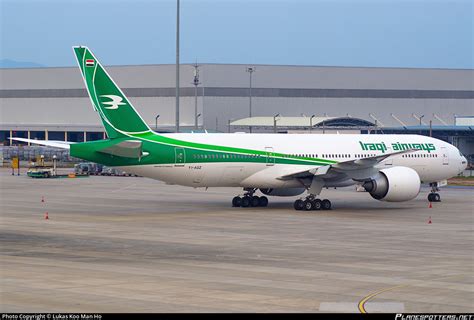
(429, 221)
(46, 217)
(430, 206)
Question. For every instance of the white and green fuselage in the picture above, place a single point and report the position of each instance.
(257, 161)
(245, 160)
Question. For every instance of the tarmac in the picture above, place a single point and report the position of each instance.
(130, 244)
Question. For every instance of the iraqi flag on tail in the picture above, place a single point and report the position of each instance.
(90, 62)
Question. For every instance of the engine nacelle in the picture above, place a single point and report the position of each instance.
(283, 192)
(394, 184)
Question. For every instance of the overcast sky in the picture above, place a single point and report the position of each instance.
(378, 33)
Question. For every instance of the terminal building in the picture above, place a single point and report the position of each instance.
(52, 103)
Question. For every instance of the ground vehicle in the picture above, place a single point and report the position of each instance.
(90, 168)
(40, 172)
(109, 171)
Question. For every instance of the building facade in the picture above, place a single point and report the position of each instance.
(51, 103)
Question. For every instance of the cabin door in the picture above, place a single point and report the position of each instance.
(270, 156)
(445, 155)
(179, 157)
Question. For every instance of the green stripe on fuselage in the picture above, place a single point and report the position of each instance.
(162, 151)
(278, 157)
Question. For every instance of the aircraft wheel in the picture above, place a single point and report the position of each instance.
(298, 205)
(317, 204)
(436, 197)
(236, 202)
(263, 201)
(308, 205)
(245, 202)
(326, 204)
(254, 201)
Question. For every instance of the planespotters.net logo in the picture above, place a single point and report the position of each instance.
(397, 146)
(402, 316)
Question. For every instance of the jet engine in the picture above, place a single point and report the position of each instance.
(394, 184)
(283, 192)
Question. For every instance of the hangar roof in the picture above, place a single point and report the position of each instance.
(234, 75)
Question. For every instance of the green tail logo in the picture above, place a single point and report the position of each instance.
(116, 112)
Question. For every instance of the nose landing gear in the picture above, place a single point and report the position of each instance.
(434, 196)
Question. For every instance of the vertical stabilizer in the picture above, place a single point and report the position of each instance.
(116, 112)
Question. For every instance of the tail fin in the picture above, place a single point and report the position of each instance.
(116, 112)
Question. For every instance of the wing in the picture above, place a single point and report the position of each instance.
(354, 169)
(48, 143)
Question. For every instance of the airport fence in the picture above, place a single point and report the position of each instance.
(32, 153)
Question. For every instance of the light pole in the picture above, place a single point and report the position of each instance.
(311, 123)
(177, 66)
(54, 164)
(156, 122)
(250, 70)
(275, 122)
(421, 117)
(196, 120)
(196, 83)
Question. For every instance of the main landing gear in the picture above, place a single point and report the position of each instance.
(311, 203)
(434, 196)
(249, 200)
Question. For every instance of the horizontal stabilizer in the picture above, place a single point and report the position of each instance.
(47, 143)
(126, 149)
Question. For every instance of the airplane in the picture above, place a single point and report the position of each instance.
(389, 167)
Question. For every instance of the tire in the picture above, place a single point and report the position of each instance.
(263, 201)
(326, 204)
(236, 202)
(436, 197)
(298, 205)
(254, 201)
(430, 197)
(245, 203)
(308, 205)
(317, 204)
